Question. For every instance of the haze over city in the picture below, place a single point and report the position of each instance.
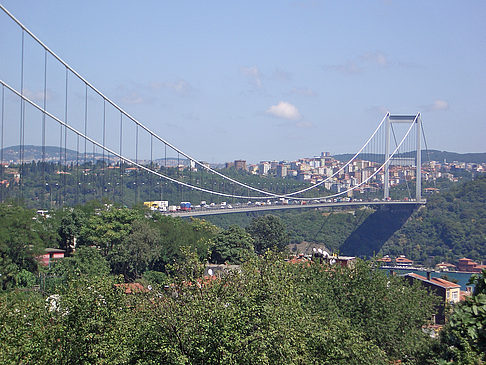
(274, 80)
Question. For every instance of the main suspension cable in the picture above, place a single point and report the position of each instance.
(134, 120)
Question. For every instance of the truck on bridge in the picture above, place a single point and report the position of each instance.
(186, 206)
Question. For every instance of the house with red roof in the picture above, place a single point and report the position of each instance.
(403, 261)
(445, 266)
(469, 265)
(49, 255)
(449, 292)
(386, 260)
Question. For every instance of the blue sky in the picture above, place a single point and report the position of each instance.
(257, 80)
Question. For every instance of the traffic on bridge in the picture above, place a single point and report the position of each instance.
(186, 209)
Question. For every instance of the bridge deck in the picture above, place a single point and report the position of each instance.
(262, 208)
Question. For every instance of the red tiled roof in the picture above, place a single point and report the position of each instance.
(384, 259)
(446, 264)
(445, 283)
(403, 260)
(438, 281)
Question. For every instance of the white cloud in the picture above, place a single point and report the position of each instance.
(376, 58)
(436, 105)
(37, 96)
(253, 74)
(284, 110)
(440, 105)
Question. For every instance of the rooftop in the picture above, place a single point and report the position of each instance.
(436, 281)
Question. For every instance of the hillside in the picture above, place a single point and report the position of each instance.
(430, 155)
(52, 153)
(452, 225)
(11, 154)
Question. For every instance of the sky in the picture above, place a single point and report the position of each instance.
(268, 80)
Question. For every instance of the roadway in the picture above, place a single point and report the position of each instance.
(262, 208)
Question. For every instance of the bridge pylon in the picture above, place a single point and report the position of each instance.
(392, 119)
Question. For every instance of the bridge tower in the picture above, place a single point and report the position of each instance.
(418, 159)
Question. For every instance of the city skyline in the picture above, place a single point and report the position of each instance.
(276, 80)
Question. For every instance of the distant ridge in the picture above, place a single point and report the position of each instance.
(34, 153)
(431, 155)
(53, 153)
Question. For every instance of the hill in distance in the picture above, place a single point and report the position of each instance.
(430, 155)
(53, 153)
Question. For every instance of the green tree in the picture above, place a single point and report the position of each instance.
(268, 232)
(233, 245)
(108, 227)
(268, 312)
(20, 242)
(92, 322)
(25, 329)
(479, 282)
(25, 279)
(86, 261)
(252, 316)
(69, 228)
(175, 233)
(137, 252)
(384, 309)
(463, 340)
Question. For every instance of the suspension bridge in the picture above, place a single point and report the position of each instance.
(101, 151)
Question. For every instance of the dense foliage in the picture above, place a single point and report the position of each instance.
(268, 232)
(233, 245)
(20, 240)
(270, 312)
(463, 340)
(84, 308)
(451, 226)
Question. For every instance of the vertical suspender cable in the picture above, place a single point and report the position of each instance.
(94, 180)
(44, 125)
(85, 179)
(120, 160)
(201, 183)
(44, 181)
(22, 111)
(65, 135)
(77, 169)
(178, 175)
(136, 160)
(103, 168)
(85, 122)
(190, 178)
